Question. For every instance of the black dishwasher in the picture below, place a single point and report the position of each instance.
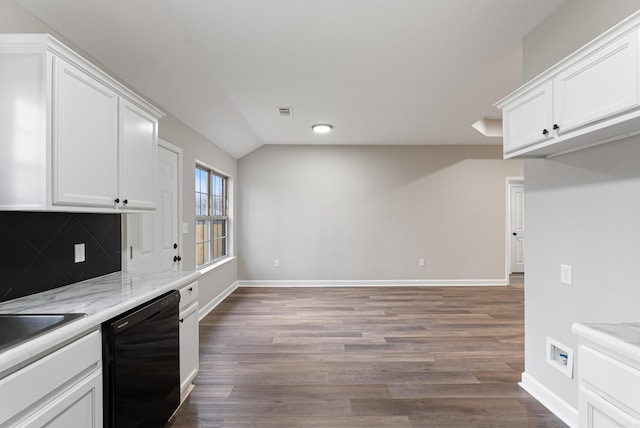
(141, 363)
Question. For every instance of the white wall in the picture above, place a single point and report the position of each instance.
(336, 213)
(13, 19)
(582, 209)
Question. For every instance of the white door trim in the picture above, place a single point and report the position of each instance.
(178, 151)
(507, 234)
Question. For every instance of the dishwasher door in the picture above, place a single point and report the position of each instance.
(142, 365)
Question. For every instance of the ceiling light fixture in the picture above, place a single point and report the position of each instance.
(322, 128)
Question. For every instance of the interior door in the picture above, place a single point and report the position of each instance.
(152, 238)
(516, 229)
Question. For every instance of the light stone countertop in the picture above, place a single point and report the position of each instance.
(101, 298)
(620, 338)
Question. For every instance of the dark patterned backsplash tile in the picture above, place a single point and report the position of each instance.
(37, 250)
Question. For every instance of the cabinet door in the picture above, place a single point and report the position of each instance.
(527, 118)
(79, 407)
(84, 139)
(599, 86)
(596, 412)
(189, 348)
(137, 156)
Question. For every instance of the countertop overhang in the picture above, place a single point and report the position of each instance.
(101, 298)
(621, 338)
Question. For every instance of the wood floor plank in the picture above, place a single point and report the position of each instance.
(364, 357)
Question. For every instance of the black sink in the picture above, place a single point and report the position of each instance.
(17, 328)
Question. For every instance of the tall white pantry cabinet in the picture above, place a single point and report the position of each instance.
(72, 137)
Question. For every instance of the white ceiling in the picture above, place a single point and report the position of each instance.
(380, 71)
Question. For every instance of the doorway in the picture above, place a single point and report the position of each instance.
(153, 239)
(516, 226)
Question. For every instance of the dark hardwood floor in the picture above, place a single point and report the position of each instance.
(364, 357)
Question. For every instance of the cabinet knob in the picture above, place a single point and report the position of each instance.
(190, 288)
(117, 201)
(515, 234)
(545, 132)
(181, 320)
(177, 258)
(175, 246)
(126, 201)
(556, 127)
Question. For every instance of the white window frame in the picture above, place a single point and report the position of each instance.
(211, 218)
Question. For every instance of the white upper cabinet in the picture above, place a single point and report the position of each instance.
(84, 139)
(528, 119)
(75, 138)
(589, 98)
(137, 154)
(598, 86)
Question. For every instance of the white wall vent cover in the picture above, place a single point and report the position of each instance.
(285, 111)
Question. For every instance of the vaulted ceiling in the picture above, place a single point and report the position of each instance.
(380, 71)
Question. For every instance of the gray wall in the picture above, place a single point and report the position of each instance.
(571, 26)
(13, 19)
(582, 209)
(332, 213)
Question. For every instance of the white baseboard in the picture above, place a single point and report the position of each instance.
(204, 311)
(377, 283)
(551, 401)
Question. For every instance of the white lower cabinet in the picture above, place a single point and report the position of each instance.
(609, 394)
(62, 389)
(189, 338)
(80, 406)
(596, 412)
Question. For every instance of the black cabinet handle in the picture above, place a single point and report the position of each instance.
(181, 320)
(556, 127)
(175, 246)
(126, 201)
(190, 288)
(177, 258)
(515, 234)
(545, 132)
(117, 201)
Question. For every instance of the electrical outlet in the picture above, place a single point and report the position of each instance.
(566, 274)
(78, 252)
(420, 262)
(276, 263)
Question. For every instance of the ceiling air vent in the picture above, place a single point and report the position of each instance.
(285, 111)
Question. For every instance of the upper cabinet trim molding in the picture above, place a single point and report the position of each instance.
(627, 26)
(41, 42)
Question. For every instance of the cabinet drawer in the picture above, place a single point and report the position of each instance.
(40, 381)
(611, 377)
(188, 295)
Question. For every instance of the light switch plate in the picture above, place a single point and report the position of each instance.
(566, 274)
(78, 252)
(185, 227)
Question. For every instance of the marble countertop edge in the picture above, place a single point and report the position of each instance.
(620, 338)
(113, 294)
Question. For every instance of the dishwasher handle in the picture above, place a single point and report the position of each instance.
(144, 312)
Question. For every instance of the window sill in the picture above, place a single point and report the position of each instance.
(205, 269)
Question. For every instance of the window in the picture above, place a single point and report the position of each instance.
(211, 216)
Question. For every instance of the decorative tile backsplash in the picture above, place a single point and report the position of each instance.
(37, 250)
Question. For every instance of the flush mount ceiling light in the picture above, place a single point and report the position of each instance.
(321, 128)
